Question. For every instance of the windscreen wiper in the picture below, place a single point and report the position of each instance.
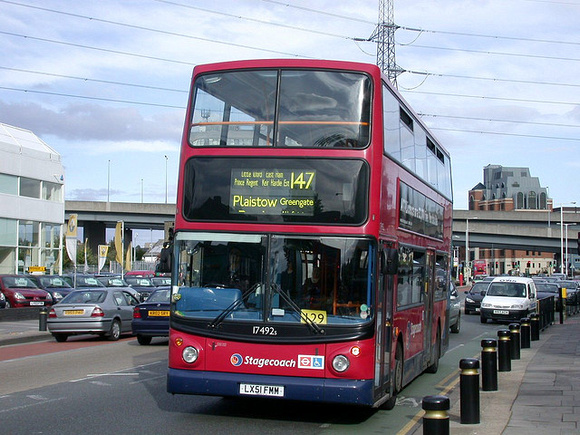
(233, 306)
(311, 324)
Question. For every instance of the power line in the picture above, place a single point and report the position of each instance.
(457, 76)
(497, 53)
(483, 97)
(85, 79)
(110, 100)
(506, 134)
(254, 20)
(469, 118)
(149, 29)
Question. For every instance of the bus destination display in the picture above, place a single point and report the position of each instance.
(273, 191)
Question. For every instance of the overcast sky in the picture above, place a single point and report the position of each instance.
(105, 82)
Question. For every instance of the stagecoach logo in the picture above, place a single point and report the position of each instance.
(236, 359)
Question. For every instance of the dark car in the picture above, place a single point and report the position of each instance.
(54, 284)
(161, 281)
(20, 291)
(572, 293)
(142, 284)
(82, 281)
(151, 318)
(107, 312)
(474, 295)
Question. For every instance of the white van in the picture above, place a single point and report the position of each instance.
(509, 298)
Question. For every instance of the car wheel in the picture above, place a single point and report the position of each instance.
(143, 340)
(61, 338)
(467, 312)
(455, 328)
(482, 319)
(115, 331)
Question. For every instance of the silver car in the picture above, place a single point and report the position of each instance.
(103, 311)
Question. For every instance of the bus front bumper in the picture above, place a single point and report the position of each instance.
(356, 392)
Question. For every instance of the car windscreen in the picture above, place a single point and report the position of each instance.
(85, 297)
(507, 289)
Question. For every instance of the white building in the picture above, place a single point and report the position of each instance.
(31, 202)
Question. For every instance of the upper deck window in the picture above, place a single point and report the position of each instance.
(290, 108)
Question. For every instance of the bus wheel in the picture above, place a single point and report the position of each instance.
(398, 374)
(435, 366)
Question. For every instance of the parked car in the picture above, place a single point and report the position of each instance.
(140, 273)
(454, 309)
(19, 291)
(161, 281)
(81, 281)
(103, 311)
(151, 318)
(143, 285)
(120, 283)
(474, 295)
(54, 284)
(509, 298)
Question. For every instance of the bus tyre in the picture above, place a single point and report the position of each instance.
(398, 374)
(435, 365)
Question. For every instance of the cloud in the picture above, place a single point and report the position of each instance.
(89, 122)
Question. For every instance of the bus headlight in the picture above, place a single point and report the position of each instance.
(190, 354)
(340, 363)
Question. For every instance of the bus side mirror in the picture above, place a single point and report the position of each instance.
(390, 261)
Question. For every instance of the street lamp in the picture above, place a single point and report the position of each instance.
(562, 238)
(108, 180)
(467, 249)
(166, 159)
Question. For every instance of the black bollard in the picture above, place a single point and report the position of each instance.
(525, 333)
(42, 316)
(436, 418)
(515, 340)
(469, 390)
(504, 351)
(535, 327)
(489, 364)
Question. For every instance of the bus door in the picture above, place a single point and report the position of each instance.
(388, 264)
(428, 291)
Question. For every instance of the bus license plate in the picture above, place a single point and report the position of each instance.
(501, 312)
(262, 390)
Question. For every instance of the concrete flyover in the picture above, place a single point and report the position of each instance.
(537, 230)
(95, 217)
(534, 230)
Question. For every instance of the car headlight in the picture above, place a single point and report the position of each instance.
(2, 297)
(469, 300)
(485, 305)
(18, 295)
(517, 307)
(57, 296)
(340, 363)
(190, 354)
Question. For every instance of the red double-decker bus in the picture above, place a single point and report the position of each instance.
(312, 236)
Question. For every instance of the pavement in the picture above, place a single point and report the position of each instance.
(539, 395)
